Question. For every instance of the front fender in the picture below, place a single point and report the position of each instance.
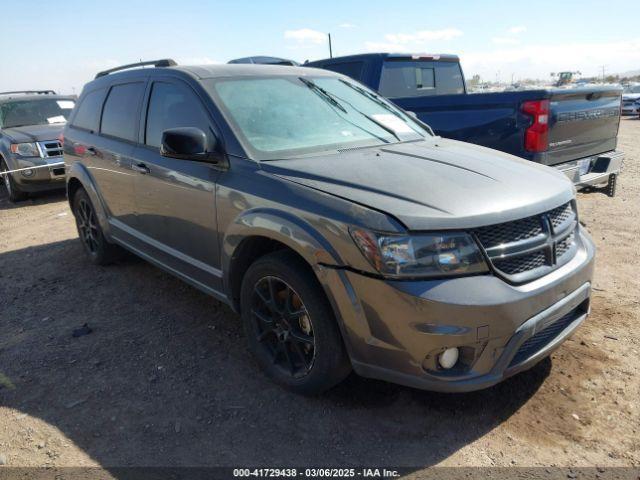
(280, 226)
(81, 173)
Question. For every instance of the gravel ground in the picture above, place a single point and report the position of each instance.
(165, 379)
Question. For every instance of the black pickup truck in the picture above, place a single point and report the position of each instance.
(574, 130)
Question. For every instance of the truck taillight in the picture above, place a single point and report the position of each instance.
(536, 137)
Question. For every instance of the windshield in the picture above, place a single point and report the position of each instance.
(281, 117)
(632, 89)
(41, 111)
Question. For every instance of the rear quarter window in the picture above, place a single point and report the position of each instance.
(88, 114)
(120, 116)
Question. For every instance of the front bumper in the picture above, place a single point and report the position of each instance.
(47, 178)
(394, 330)
(600, 167)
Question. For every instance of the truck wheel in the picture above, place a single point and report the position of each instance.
(99, 250)
(610, 189)
(290, 326)
(15, 194)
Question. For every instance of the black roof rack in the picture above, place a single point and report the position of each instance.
(164, 62)
(30, 92)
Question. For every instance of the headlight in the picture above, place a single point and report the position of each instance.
(25, 149)
(422, 255)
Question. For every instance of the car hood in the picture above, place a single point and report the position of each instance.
(434, 184)
(631, 96)
(34, 133)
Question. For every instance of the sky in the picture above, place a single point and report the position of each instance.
(61, 45)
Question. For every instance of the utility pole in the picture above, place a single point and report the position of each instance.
(330, 49)
(603, 67)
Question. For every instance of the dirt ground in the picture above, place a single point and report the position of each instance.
(165, 378)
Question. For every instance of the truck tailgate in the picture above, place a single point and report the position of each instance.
(582, 123)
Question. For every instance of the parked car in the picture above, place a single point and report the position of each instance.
(343, 231)
(631, 100)
(30, 123)
(574, 130)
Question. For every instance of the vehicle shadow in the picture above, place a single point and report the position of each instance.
(164, 379)
(41, 198)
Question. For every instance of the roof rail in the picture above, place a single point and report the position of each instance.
(164, 62)
(28, 92)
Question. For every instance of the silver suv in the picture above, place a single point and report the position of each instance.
(30, 123)
(343, 231)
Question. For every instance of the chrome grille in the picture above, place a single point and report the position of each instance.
(525, 249)
(523, 263)
(496, 235)
(560, 215)
(565, 245)
(50, 148)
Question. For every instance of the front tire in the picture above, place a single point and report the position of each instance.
(99, 250)
(15, 194)
(290, 326)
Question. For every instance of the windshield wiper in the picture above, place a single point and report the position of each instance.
(380, 124)
(372, 96)
(332, 99)
(384, 105)
(323, 94)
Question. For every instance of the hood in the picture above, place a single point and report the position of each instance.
(631, 96)
(441, 184)
(34, 133)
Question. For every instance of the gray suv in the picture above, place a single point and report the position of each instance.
(30, 126)
(343, 231)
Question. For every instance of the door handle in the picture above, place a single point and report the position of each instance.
(140, 168)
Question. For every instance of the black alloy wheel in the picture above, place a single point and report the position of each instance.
(283, 326)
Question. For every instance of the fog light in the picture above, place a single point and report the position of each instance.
(27, 173)
(448, 358)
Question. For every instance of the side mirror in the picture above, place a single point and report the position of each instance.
(188, 143)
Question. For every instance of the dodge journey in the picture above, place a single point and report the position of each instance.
(342, 230)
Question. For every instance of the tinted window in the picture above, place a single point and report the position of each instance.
(416, 79)
(351, 69)
(120, 115)
(88, 114)
(173, 106)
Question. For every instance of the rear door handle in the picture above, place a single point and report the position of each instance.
(140, 168)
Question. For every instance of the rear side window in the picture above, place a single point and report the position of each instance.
(120, 114)
(401, 79)
(350, 69)
(88, 114)
(173, 106)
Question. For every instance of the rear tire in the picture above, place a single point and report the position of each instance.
(290, 326)
(99, 250)
(15, 194)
